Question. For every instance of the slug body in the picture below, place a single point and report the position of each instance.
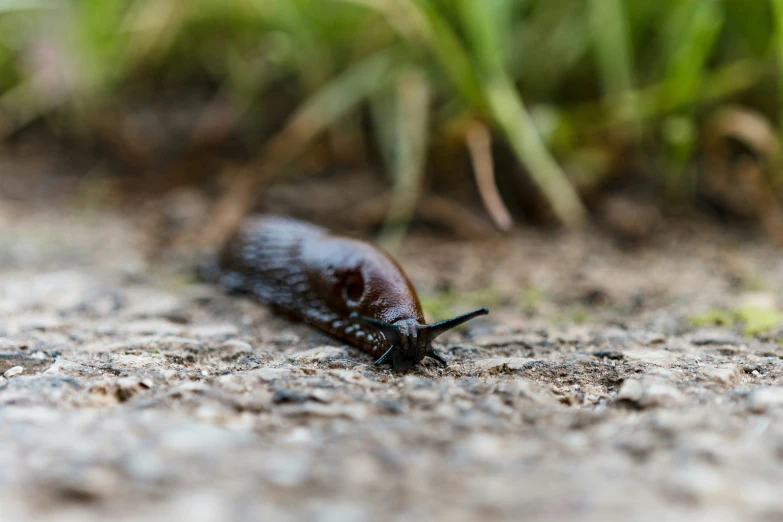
(343, 286)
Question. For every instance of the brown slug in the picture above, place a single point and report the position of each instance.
(344, 286)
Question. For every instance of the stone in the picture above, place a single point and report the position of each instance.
(765, 398)
(631, 390)
(726, 375)
(650, 392)
(662, 395)
(13, 372)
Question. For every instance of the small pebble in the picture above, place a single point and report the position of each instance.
(765, 398)
(13, 372)
(650, 393)
(729, 375)
(663, 395)
(631, 390)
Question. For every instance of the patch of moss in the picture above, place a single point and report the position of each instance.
(759, 320)
(437, 306)
(577, 316)
(530, 298)
(446, 303)
(755, 321)
(713, 318)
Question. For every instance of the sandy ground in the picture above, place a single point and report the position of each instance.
(133, 391)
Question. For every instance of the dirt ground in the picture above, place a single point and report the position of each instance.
(130, 389)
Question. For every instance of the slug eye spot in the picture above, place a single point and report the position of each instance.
(354, 288)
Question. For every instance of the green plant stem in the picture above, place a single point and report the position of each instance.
(411, 138)
(613, 51)
(513, 118)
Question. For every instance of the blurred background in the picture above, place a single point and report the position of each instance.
(466, 115)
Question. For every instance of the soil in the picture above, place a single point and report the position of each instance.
(134, 392)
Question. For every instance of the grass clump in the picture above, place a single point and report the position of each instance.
(554, 81)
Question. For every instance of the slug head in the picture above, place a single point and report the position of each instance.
(410, 341)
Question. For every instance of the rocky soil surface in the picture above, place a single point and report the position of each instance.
(130, 390)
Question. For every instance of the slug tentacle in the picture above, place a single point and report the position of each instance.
(384, 357)
(435, 329)
(438, 357)
(343, 286)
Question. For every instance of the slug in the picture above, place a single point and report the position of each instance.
(346, 287)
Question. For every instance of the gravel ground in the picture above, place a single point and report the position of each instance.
(132, 391)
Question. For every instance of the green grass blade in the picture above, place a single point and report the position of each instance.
(612, 45)
(513, 118)
(777, 11)
(451, 55)
(508, 111)
(614, 54)
(481, 26)
(684, 71)
(557, 32)
(410, 140)
(329, 104)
